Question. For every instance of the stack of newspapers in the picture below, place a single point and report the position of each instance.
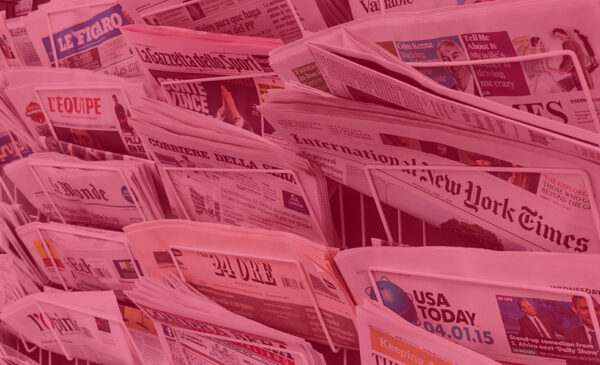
(182, 182)
(481, 147)
(215, 172)
(276, 278)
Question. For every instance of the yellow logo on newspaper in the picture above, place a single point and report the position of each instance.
(44, 255)
(402, 351)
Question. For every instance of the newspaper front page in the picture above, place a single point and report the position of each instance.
(170, 54)
(86, 259)
(23, 43)
(94, 114)
(87, 324)
(448, 177)
(84, 35)
(546, 87)
(267, 276)
(295, 200)
(285, 201)
(106, 195)
(231, 99)
(538, 312)
(192, 328)
(364, 8)
(387, 337)
(314, 15)
(272, 19)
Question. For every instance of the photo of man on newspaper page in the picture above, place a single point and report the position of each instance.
(556, 329)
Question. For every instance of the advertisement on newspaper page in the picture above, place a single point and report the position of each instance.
(484, 191)
(270, 292)
(517, 325)
(269, 19)
(96, 117)
(232, 99)
(95, 44)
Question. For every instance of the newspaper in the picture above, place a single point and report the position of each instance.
(363, 8)
(386, 337)
(469, 297)
(10, 356)
(479, 33)
(273, 19)
(247, 191)
(81, 258)
(83, 325)
(12, 147)
(23, 7)
(12, 216)
(191, 329)
(314, 15)
(477, 186)
(11, 121)
(169, 54)
(69, 34)
(93, 113)
(51, 144)
(102, 194)
(144, 335)
(9, 57)
(267, 276)
(13, 283)
(232, 99)
(23, 44)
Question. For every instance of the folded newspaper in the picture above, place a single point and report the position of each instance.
(514, 307)
(386, 338)
(93, 112)
(243, 187)
(81, 258)
(272, 19)
(193, 329)
(494, 192)
(102, 194)
(276, 278)
(552, 89)
(169, 54)
(83, 325)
